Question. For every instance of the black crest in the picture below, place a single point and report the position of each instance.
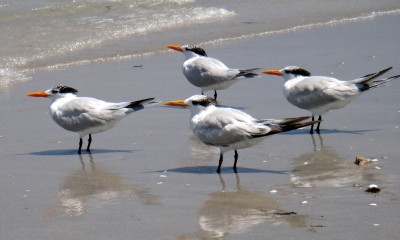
(205, 102)
(64, 89)
(297, 71)
(196, 49)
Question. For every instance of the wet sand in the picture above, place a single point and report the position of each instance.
(150, 178)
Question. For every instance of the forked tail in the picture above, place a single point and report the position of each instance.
(288, 124)
(248, 73)
(376, 83)
(369, 77)
(284, 121)
(369, 81)
(140, 104)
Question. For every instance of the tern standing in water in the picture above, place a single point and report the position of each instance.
(209, 73)
(85, 115)
(319, 94)
(231, 129)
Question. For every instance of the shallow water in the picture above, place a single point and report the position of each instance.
(45, 35)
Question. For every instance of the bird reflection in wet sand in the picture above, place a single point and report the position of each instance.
(200, 152)
(234, 212)
(323, 167)
(94, 187)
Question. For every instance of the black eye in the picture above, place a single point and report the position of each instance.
(196, 103)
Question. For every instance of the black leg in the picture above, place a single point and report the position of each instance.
(236, 158)
(221, 159)
(312, 126)
(319, 119)
(215, 94)
(202, 92)
(89, 142)
(80, 145)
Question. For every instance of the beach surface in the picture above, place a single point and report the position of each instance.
(150, 178)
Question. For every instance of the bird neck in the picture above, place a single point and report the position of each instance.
(292, 78)
(190, 54)
(63, 97)
(195, 110)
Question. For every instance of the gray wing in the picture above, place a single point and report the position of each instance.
(83, 113)
(207, 71)
(227, 126)
(313, 92)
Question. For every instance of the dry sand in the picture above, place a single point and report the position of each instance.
(149, 178)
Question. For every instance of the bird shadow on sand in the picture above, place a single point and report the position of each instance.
(328, 131)
(65, 152)
(224, 170)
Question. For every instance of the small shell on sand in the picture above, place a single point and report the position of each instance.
(373, 189)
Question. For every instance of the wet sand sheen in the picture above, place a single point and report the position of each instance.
(163, 180)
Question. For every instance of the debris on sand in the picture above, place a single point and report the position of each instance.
(360, 160)
(373, 188)
(318, 226)
(285, 213)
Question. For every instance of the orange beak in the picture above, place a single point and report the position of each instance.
(273, 72)
(38, 94)
(176, 48)
(177, 103)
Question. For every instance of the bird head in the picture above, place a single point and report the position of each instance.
(195, 103)
(189, 50)
(289, 72)
(55, 92)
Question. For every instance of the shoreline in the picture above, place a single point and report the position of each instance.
(215, 42)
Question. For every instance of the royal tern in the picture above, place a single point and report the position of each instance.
(319, 94)
(85, 115)
(209, 73)
(231, 129)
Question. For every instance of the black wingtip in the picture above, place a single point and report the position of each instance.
(294, 126)
(289, 126)
(139, 104)
(381, 72)
(248, 73)
(377, 83)
(393, 77)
